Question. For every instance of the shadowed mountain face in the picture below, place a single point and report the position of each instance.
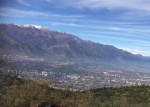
(41, 42)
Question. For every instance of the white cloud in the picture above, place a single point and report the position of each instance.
(118, 36)
(48, 1)
(23, 2)
(137, 51)
(143, 5)
(122, 28)
(16, 12)
(64, 24)
(20, 13)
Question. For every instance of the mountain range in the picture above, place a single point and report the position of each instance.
(38, 41)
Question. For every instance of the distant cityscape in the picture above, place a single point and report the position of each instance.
(82, 77)
(91, 79)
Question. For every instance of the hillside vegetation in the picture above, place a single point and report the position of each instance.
(16, 92)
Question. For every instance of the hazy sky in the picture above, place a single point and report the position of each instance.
(121, 23)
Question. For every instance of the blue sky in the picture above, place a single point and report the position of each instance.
(123, 24)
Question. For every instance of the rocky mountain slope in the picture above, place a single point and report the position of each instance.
(37, 41)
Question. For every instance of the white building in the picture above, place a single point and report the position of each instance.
(44, 73)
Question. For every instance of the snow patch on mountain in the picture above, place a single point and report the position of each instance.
(33, 26)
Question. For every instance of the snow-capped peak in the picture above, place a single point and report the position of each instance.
(33, 26)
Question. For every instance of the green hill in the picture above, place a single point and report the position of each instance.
(16, 92)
